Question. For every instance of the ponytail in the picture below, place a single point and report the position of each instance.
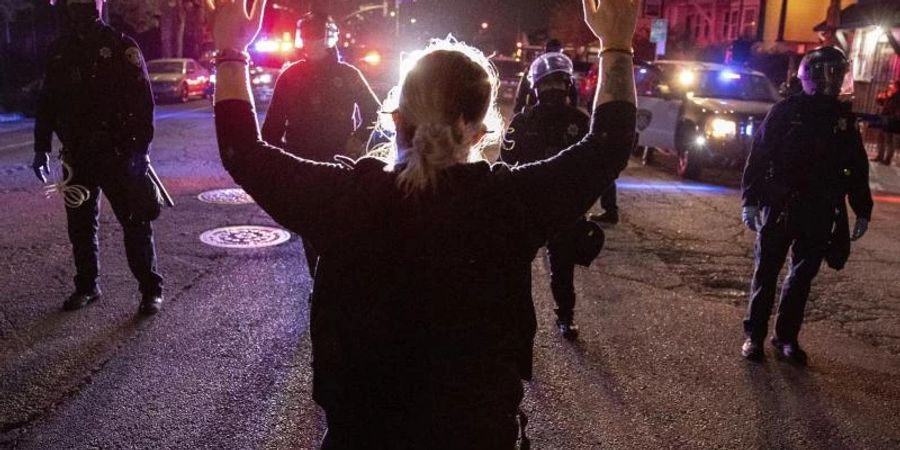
(446, 98)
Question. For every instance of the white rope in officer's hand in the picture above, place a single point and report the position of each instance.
(74, 195)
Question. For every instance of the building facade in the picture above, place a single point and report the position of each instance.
(782, 25)
(869, 31)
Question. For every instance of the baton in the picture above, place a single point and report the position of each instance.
(167, 199)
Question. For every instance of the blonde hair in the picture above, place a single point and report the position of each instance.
(446, 97)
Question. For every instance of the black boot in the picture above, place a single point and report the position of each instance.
(150, 305)
(567, 328)
(752, 350)
(80, 300)
(790, 351)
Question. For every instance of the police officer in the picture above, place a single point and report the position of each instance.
(525, 94)
(322, 106)
(540, 132)
(97, 99)
(806, 159)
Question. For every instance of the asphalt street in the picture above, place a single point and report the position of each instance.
(226, 364)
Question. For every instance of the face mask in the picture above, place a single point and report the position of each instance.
(553, 96)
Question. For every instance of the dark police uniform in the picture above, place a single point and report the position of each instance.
(97, 99)
(538, 133)
(316, 108)
(807, 157)
(525, 95)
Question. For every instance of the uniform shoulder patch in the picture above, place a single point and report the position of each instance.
(133, 55)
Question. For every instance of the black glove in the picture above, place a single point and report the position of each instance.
(750, 217)
(41, 165)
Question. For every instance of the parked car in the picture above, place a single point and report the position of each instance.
(179, 79)
(702, 113)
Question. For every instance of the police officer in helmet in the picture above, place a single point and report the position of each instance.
(806, 162)
(96, 97)
(525, 93)
(540, 132)
(322, 107)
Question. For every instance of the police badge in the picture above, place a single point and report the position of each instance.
(133, 54)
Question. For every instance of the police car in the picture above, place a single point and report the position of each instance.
(701, 113)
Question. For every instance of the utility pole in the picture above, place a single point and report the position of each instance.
(782, 20)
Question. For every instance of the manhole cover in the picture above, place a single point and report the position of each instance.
(245, 236)
(235, 196)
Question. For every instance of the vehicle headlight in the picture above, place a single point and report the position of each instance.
(263, 78)
(719, 128)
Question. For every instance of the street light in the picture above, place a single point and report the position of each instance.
(484, 25)
(413, 20)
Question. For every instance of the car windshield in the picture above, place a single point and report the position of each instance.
(726, 84)
(165, 67)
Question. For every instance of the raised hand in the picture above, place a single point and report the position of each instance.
(612, 21)
(234, 28)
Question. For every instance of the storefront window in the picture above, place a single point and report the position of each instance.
(864, 52)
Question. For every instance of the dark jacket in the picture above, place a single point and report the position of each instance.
(422, 316)
(96, 97)
(318, 106)
(808, 150)
(806, 161)
(542, 131)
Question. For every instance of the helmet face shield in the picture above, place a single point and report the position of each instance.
(547, 64)
(825, 71)
(829, 77)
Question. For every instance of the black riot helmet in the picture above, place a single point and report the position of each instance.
(823, 71)
(80, 12)
(316, 26)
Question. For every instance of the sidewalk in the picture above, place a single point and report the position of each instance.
(883, 179)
